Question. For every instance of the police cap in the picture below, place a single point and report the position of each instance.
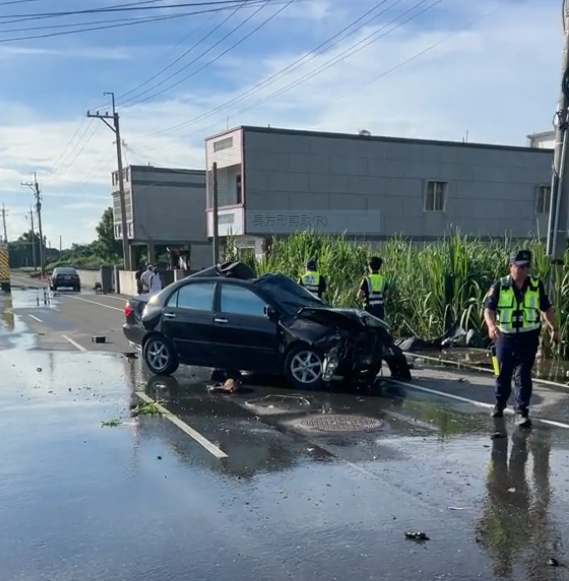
(521, 257)
(311, 264)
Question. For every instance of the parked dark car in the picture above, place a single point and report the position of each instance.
(65, 277)
(223, 317)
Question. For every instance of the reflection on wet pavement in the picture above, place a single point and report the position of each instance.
(295, 499)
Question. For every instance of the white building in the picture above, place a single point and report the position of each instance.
(543, 140)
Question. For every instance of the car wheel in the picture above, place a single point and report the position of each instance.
(303, 367)
(78, 289)
(159, 355)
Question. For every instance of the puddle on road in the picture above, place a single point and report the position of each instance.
(505, 496)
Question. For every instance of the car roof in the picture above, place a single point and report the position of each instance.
(69, 269)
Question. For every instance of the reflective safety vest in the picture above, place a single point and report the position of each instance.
(518, 317)
(376, 289)
(311, 281)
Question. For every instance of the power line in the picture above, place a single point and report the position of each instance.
(134, 7)
(185, 53)
(131, 22)
(59, 159)
(181, 42)
(301, 61)
(205, 65)
(368, 40)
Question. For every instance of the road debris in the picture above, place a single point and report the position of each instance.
(417, 536)
(230, 386)
(111, 423)
(145, 409)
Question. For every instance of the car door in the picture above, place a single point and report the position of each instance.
(187, 320)
(245, 337)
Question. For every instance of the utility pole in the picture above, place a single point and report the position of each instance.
(215, 212)
(37, 194)
(559, 199)
(4, 212)
(115, 128)
(60, 244)
(33, 238)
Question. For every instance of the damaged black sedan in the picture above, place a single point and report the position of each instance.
(225, 317)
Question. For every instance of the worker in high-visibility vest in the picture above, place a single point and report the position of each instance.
(312, 280)
(373, 289)
(512, 311)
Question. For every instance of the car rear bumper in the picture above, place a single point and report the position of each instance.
(133, 333)
(66, 283)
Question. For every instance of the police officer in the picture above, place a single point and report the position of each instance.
(312, 280)
(373, 289)
(512, 311)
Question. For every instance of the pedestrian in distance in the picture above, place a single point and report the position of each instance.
(312, 280)
(138, 275)
(513, 312)
(155, 281)
(373, 289)
(145, 278)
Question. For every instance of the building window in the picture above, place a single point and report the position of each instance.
(542, 199)
(238, 188)
(435, 197)
(226, 219)
(222, 144)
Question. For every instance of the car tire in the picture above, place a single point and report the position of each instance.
(78, 289)
(159, 355)
(303, 367)
(54, 288)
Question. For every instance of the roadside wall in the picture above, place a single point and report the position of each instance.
(89, 278)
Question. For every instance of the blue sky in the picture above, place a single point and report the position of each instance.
(490, 67)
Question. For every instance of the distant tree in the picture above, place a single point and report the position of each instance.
(106, 246)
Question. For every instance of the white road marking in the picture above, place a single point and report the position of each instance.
(204, 442)
(35, 318)
(95, 303)
(469, 401)
(74, 343)
(471, 367)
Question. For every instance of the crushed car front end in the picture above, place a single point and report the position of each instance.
(354, 343)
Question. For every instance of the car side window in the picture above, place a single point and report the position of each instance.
(241, 301)
(196, 296)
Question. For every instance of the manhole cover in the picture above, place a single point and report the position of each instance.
(340, 423)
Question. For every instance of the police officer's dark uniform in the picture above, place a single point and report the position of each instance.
(515, 311)
(373, 288)
(312, 280)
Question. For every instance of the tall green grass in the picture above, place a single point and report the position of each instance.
(431, 285)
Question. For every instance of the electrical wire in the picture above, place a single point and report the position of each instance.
(17, 2)
(181, 42)
(180, 57)
(133, 7)
(58, 162)
(122, 25)
(78, 151)
(411, 58)
(298, 63)
(368, 40)
(223, 53)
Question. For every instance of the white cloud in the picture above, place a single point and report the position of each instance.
(497, 78)
(93, 53)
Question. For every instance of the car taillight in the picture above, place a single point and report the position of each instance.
(128, 311)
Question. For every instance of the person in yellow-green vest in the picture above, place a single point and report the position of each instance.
(373, 289)
(312, 280)
(513, 309)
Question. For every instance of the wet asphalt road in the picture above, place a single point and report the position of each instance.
(143, 500)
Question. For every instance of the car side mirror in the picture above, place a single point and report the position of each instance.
(271, 313)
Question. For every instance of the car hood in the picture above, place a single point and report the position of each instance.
(313, 324)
